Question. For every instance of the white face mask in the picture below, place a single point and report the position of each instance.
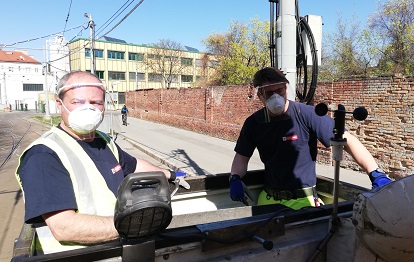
(276, 104)
(84, 119)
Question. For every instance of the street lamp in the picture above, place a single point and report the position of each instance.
(113, 106)
(113, 84)
(47, 109)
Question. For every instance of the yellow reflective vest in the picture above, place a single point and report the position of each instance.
(92, 194)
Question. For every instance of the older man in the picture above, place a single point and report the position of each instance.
(70, 175)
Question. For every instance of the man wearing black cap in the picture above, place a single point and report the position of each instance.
(285, 134)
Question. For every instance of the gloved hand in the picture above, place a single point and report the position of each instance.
(178, 175)
(379, 178)
(238, 190)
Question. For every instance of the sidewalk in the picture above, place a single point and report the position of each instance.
(198, 154)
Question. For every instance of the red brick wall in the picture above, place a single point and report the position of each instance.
(388, 132)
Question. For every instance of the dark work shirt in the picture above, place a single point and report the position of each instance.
(287, 144)
(46, 182)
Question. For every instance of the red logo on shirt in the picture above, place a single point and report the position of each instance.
(290, 138)
(116, 169)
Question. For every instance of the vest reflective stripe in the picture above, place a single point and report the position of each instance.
(91, 191)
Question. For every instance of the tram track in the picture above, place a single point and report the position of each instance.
(17, 130)
(12, 141)
(16, 133)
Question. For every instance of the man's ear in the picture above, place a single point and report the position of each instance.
(59, 104)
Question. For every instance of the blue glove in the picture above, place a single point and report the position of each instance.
(179, 176)
(379, 178)
(238, 190)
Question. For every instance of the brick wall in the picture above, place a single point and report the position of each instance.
(388, 132)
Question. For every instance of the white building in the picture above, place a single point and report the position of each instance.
(21, 80)
(58, 57)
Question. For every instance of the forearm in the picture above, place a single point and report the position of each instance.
(69, 226)
(239, 165)
(359, 153)
(145, 166)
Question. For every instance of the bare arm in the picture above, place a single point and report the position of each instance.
(359, 153)
(239, 165)
(145, 166)
(73, 227)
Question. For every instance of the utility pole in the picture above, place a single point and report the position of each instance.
(92, 41)
(47, 116)
(136, 76)
(286, 56)
(3, 90)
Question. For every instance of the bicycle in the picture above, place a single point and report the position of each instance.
(124, 119)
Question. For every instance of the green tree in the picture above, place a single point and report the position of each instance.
(394, 24)
(346, 51)
(242, 50)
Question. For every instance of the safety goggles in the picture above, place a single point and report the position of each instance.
(268, 93)
(76, 85)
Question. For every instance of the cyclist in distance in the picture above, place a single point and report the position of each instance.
(124, 112)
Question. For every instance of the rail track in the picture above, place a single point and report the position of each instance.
(17, 130)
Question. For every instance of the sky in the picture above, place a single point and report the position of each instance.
(187, 22)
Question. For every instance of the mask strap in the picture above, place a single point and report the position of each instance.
(64, 105)
(267, 115)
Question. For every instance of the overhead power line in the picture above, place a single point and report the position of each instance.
(67, 17)
(85, 26)
(41, 37)
(113, 17)
(130, 12)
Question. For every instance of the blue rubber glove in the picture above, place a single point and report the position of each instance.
(178, 175)
(379, 178)
(238, 190)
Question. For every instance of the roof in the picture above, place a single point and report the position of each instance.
(16, 57)
(112, 39)
(191, 49)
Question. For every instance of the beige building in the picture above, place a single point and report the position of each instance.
(126, 67)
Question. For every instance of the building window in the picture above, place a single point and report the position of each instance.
(171, 58)
(32, 87)
(173, 78)
(154, 77)
(116, 75)
(141, 76)
(214, 64)
(199, 62)
(98, 52)
(100, 74)
(186, 61)
(116, 55)
(186, 78)
(155, 57)
(121, 97)
(135, 57)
